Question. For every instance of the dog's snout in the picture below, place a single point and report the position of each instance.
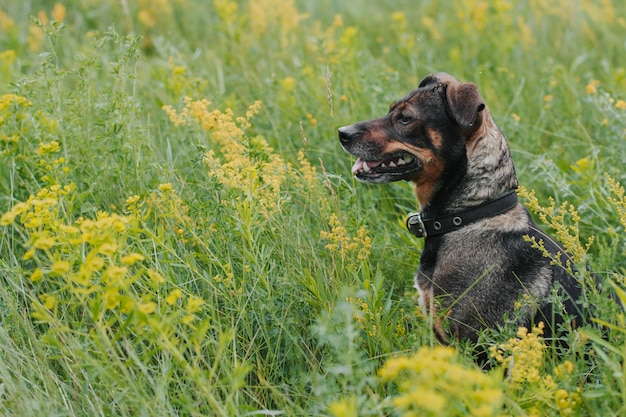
(347, 134)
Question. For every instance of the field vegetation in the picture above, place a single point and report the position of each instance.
(180, 234)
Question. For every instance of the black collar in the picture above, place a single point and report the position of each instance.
(422, 226)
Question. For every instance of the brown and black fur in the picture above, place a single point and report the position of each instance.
(442, 138)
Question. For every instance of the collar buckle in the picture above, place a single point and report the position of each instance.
(415, 224)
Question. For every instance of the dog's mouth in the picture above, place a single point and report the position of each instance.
(393, 168)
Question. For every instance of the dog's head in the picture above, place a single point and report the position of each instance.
(423, 134)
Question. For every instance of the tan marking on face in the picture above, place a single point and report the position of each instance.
(432, 165)
(376, 134)
(435, 138)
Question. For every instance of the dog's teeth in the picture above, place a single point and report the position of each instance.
(392, 165)
(366, 168)
(401, 161)
(383, 165)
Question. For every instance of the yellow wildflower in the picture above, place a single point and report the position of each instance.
(343, 408)
(433, 380)
(8, 100)
(146, 17)
(111, 298)
(226, 10)
(188, 319)
(564, 369)
(147, 308)
(527, 353)
(6, 23)
(173, 296)
(58, 12)
(399, 18)
(48, 300)
(60, 267)
(115, 274)
(288, 83)
(274, 15)
(107, 249)
(591, 87)
(127, 306)
(9, 217)
(155, 276)
(132, 200)
(620, 105)
(194, 304)
(47, 148)
(44, 242)
(29, 254)
(618, 199)
(93, 263)
(37, 275)
(132, 258)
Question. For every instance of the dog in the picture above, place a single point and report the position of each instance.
(478, 267)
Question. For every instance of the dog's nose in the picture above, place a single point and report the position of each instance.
(347, 134)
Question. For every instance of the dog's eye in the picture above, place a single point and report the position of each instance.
(404, 119)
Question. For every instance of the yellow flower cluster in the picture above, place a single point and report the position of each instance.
(567, 402)
(10, 117)
(564, 220)
(7, 59)
(340, 242)
(281, 14)
(226, 10)
(591, 88)
(180, 83)
(308, 171)
(526, 352)
(434, 382)
(6, 23)
(523, 357)
(245, 164)
(58, 13)
(39, 210)
(8, 100)
(332, 44)
(479, 16)
(35, 34)
(87, 262)
(619, 199)
(153, 12)
(344, 407)
(168, 206)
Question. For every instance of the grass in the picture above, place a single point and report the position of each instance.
(180, 233)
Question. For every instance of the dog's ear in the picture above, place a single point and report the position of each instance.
(437, 78)
(465, 103)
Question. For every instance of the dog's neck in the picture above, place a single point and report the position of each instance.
(489, 172)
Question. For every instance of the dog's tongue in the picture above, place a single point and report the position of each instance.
(361, 165)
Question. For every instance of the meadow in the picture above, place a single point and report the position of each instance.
(180, 234)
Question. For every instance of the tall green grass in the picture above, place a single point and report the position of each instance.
(180, 233)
